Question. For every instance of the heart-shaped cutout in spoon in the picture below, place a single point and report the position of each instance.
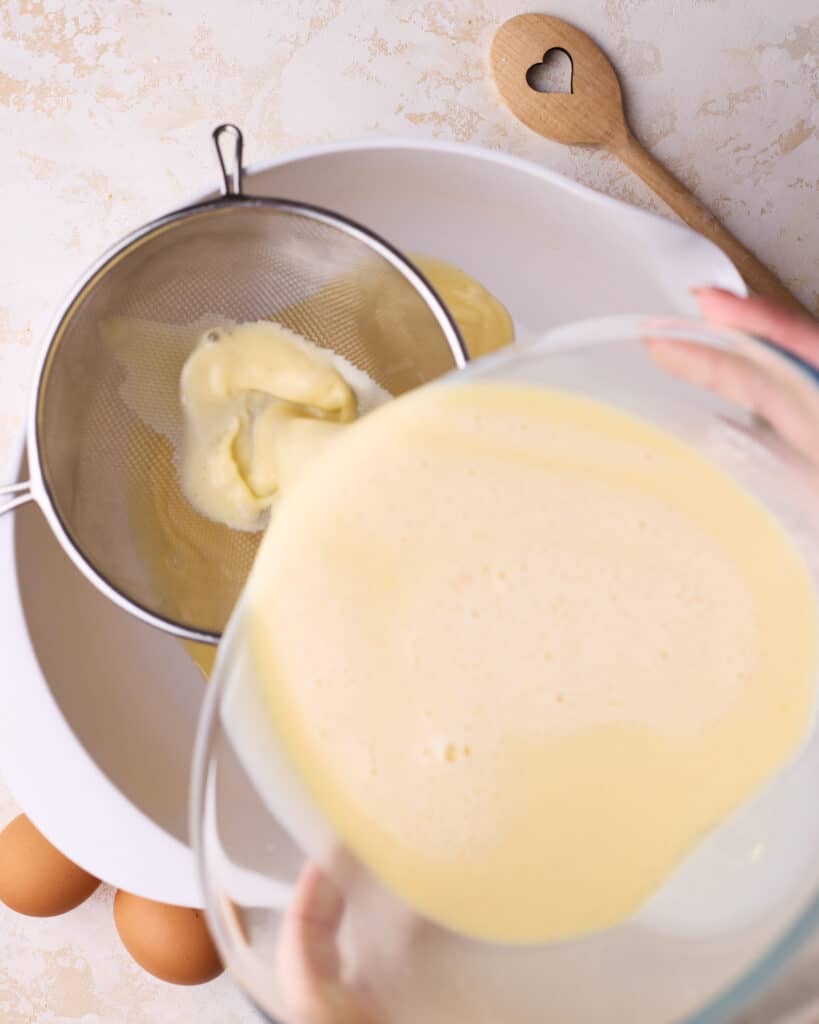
(553, 73)
(592, 114)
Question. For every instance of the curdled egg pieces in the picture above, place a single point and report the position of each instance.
(35, 878)
(172, 943)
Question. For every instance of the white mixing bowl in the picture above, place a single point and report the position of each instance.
(99, 710)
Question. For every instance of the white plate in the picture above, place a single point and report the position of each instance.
(99, 710)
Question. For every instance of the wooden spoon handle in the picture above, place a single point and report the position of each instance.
(658, 178)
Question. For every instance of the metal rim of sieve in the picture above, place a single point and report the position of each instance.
(231, 169)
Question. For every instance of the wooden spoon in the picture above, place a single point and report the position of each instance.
(592, 114)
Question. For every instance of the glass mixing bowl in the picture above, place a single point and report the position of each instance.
(731, 915)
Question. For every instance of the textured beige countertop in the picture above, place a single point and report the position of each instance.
(105, 109)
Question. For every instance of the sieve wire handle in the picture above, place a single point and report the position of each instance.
(230, 160)
(17, 494)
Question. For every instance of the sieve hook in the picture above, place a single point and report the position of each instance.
(18, 494)
(230, 166)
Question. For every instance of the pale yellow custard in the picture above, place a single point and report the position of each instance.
(260, 400)
(525, 650)
(232, 416)
(242, 389)
(483, 320)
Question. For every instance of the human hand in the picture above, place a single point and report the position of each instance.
(309, 960)
(752, 383)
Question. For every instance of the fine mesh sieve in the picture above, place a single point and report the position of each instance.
(106, 420)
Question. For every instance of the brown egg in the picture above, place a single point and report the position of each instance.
(35, 878)
(172, 943)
